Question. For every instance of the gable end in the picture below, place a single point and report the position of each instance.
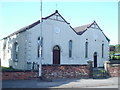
(56, 12)
(80, 30)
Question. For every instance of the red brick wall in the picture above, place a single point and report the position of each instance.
(114, 71)
(74, 71)
(50, 72)
(19, 75)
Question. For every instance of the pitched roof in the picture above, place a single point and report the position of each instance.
(24, 28)
(35, 23)
(56, 12)
(78, 30)
(81, 29)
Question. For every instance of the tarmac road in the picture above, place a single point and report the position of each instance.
(62, 83)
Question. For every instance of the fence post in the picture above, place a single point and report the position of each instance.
(90, 68)
(106, 65)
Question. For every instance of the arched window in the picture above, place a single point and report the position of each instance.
(38, 50)
(102, 50)
(86, 49)
(4, 49)
(16, 49)
(70, 48)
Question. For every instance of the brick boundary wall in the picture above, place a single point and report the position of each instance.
(67, 71)
(49, 72)
(114, 70)
(19, 75)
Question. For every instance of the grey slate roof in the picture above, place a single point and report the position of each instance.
(81, 29)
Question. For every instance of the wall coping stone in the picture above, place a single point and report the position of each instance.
(19, 70)
(64, 65)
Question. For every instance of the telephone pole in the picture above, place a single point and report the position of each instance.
(40, 49)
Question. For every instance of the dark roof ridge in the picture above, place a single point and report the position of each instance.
(56, 11)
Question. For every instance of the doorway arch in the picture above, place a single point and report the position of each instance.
(95, 59)
(56, 54)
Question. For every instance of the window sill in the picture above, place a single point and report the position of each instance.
(40, 58)
(70, 58)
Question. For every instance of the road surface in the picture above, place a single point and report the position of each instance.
(62, 83)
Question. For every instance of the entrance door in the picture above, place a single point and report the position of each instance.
(95, 59)
(56, 54)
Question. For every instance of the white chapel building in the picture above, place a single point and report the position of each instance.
(59, 42)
